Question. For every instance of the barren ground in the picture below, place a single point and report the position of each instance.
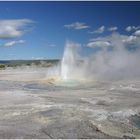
(33, 107)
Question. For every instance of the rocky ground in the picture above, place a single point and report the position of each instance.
(37, 108)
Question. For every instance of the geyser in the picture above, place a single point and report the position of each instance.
(70, 61)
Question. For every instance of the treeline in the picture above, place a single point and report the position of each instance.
(17, 63)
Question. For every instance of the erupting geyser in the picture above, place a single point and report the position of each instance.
(69, 61)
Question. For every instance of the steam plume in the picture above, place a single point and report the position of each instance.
(115, 62)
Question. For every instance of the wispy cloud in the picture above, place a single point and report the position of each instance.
(113, 28)
(99, 30)
(132, 28)
(132, 39)
(137, 33)
(13, 28)
(77, 26)
(108, 41)
(98, 44)
(12, 43)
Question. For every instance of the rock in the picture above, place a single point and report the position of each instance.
(74, 129)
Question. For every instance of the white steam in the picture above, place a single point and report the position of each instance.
(70, 61)
(117, 61)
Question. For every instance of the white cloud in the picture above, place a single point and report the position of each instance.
(99, 30)
(13, 28)
(77, 26)
(130, 39)
(9, 44)
(132, 28)
(98, 44)
(113, 28)
(128, 29)
(137, 33)
(108, 41)
(12, 43)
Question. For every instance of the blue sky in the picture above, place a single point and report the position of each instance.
(33, 30)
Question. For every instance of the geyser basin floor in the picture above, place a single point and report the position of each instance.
(33, 109)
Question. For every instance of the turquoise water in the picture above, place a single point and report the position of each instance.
(136, 121)
(69, 83)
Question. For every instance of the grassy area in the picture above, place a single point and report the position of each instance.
(15, 63)
(2, 66)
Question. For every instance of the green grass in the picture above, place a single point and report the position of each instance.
(2, 66)
(16, 63)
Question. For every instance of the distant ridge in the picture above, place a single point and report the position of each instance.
(27, 62)
(4, 61)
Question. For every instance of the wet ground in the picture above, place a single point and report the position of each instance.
(33, 107)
